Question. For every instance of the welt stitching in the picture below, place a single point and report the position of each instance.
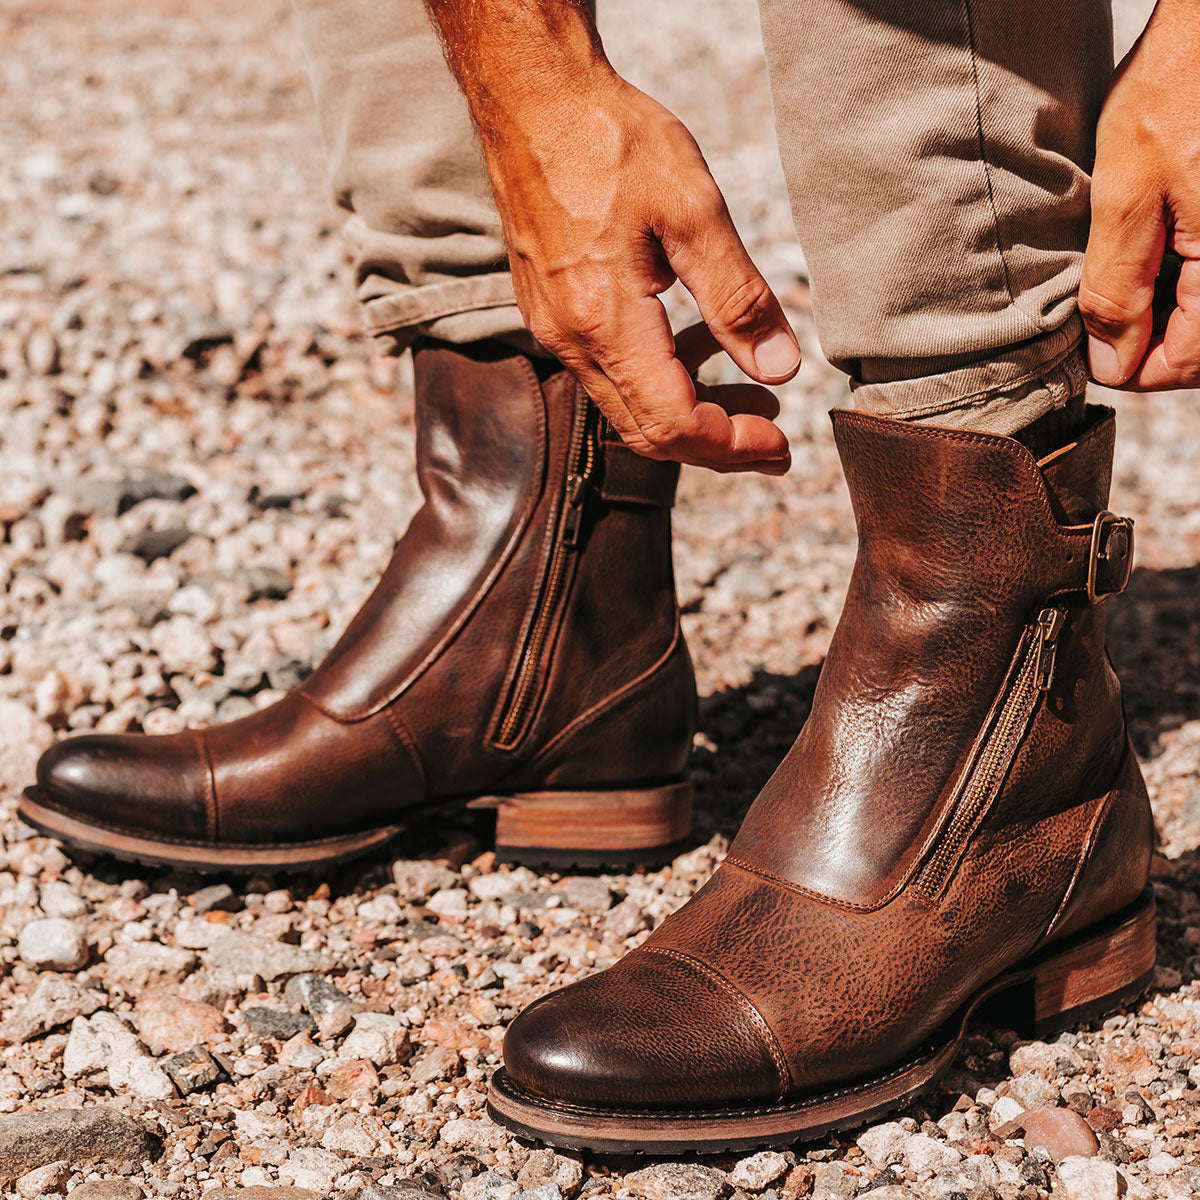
(759, 1110)
(168, 840)
(760, 1022)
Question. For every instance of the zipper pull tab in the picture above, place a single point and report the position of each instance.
(1049, 625)
(577, 490)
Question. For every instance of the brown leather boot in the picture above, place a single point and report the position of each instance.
(521, 652)
(961, 819)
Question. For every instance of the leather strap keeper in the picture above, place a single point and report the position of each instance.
(626, 479)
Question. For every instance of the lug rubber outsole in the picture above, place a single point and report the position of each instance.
(1092, 974)
(599, 829)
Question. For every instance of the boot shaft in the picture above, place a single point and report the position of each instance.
(533, 587)
(969, 658)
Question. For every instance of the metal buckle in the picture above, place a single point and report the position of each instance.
(1102, 522)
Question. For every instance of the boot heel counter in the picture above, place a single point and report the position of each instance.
(1117, 866)
(642, 732)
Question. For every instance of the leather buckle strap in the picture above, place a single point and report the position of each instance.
(1110, 557)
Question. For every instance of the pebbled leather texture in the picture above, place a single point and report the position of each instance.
(815, 919)
(401, 714)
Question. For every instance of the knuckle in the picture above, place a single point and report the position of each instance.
(1110, 311)
(662, 437)
(707, 206)
(745, 306)
(582, 314)
(548, 332)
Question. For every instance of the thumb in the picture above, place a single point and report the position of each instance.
(1116, 294)
(735, 301)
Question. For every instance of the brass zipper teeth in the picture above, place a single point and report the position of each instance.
(1033, 679)
(582, 454)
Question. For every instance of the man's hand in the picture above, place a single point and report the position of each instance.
(1146, 199)
(606, 200)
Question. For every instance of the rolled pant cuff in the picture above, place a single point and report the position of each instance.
(457, 311)
(1003, 394)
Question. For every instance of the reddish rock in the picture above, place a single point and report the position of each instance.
(1103, 1119)
(1059, 1131)
(355, 1080)
(167, 1022)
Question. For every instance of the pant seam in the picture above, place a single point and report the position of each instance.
(985, 163)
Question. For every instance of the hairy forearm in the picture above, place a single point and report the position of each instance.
(512, 57)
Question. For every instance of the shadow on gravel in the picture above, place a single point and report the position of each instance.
(744, 733)
(1154, 639)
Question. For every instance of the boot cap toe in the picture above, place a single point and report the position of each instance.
(658, 1030)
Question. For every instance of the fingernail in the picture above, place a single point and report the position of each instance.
(776, 355)
(1103, 361)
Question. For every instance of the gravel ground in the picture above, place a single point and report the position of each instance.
(204, 469)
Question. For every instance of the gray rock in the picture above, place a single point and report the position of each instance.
(760, 1170)
(438, 1062)
(112, 497)
(489, 1186)
(265, 583)
(884, 1144)
(276, 1023)
(1089, 1179)
(926, 1155)
(676, 1181)
(245, 954)
(104, 1042)
(1031, 1090)
(563, 1170)
(378, 1038)
(218, 896)
(106, 1189)
(259, 1191)
(78, 1135)
(53, 944)
(56, 1001)
(588, 895)
(286, 673)
(834, 1181)
(404, 1190)
(141, 965)
(1048, 1060)
(418, 880)
(193, 1070)
(326, 1005)
(150, 544)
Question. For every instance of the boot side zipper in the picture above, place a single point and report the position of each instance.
(1033, 679)
(581, 457)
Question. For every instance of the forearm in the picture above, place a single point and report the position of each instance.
(513, 58)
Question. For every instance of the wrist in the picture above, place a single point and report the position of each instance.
(521, 64)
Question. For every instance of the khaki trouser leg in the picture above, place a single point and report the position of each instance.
(407, 174)
(937, 156)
